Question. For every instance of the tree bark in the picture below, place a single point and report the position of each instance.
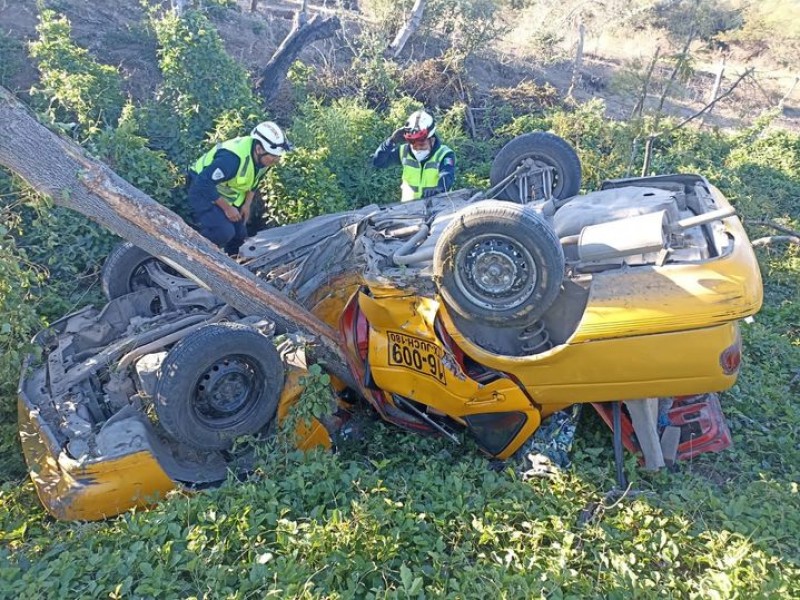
(303, 32)
(408, 29)
(61, 169)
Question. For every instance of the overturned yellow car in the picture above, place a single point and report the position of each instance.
(459, 314)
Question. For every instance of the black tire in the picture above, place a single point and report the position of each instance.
(546, 149)
(499, 263)
(124, 271)
(218, 383)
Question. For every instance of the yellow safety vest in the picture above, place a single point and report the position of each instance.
(234, 190)
(417, 177)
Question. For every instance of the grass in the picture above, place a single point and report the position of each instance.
(397, 515)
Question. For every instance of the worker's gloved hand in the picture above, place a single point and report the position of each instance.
(431, 192)
(398, 136)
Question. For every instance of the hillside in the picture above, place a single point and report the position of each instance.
(522, 47)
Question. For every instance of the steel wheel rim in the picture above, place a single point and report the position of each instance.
(495, 272)
(227, 392)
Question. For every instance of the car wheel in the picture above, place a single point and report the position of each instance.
(545, 150)
(500, 263)
(218, 383)
(124, 271)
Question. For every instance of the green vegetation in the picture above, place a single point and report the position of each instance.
(73, 85)
(201, 84)
(396, 515)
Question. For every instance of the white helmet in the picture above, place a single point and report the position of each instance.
(419, 126)
(271, 138)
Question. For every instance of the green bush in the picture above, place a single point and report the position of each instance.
(11, 57)
(395, 514)
(72, 84)
(763, 169)
(301, 187)
(127, 152)
(19, 280)
(350, 132)
(200, 83)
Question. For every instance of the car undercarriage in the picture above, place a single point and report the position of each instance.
(456, 314)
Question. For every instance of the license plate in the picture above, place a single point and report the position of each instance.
(416, 354)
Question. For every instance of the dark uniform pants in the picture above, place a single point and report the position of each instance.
(214, 225)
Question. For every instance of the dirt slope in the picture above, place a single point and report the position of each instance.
(115, 33)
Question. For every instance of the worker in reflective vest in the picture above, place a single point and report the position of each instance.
(223, 181)
(429, 167)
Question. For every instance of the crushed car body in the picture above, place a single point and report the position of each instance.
(457, 314)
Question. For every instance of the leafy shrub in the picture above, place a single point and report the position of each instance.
(127, 152)
(771, 27)
(434, 83)
(73, 84)
(316, 402)
(469, 24)
(706, 19)
(473, 155)
(12, 52)
(526, 98)
(200, 83)
(19, 279)
(386, 15)
(763, 170)
(301, 187)
(69, 249)
(350, 132)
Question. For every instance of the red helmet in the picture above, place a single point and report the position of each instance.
(419, 126)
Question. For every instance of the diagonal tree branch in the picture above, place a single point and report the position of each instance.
(648, 151)
(304, 32)
(76, 181)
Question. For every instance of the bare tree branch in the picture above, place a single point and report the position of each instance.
(639, 107)
(773, 239)
(715, 88)
(578, 63)
(678, 64)
(713, 102)
(408, 28)
(648, 151)
(303, 32)
(776, 226)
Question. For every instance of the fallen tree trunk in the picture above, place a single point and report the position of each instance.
(61, 169)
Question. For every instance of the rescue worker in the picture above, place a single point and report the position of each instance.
(223, 181)
(429, 167)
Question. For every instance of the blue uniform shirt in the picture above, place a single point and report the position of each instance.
(203, 186)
